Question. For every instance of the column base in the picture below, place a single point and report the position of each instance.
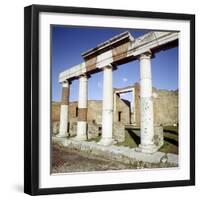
(62, 135)
(152, 148)
(106, 141)
(81, 131)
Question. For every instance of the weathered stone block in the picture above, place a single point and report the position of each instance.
(119, 132)
(93, 130)
(158, 136)
(55, 127)
(117, 153)
(73, 129)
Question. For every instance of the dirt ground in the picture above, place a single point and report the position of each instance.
(65, 160)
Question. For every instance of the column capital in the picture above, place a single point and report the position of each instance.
(108, 66)
(84, 76)
(146, 55)
(66, 83)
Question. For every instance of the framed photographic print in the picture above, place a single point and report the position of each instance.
(109, 100)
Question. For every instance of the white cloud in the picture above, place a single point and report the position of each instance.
(124, 79)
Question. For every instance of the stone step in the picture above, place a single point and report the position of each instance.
(118, 153)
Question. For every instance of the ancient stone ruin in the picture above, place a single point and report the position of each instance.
(152, 108)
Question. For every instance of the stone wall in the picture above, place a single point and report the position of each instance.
(165, 104)
(122, 113)
(118, 132)
(55, 111)
(94, 111)
(165, 109)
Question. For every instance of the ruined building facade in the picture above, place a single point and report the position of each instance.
(165, 110)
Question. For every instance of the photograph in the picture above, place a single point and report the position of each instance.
(109, 99)
(114, 99)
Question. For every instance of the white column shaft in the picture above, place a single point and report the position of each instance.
(81, 130)
(83, 93)
(63, 121)
(64, 111)
(133, 107)
(82, 104)
(107, 113)
(146, 105)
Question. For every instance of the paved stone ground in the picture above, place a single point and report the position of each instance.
(67, 160)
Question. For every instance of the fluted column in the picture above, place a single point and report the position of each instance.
(133, 107)
(146, 106)
(107, 112)
(64, 109)
(82, 108)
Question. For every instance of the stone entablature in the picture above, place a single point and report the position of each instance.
(127, 49)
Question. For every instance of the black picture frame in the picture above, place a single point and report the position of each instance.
(31, 99)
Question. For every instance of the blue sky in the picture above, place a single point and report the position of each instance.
(69, 42)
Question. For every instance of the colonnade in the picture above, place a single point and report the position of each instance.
(146, 107)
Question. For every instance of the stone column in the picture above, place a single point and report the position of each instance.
(107, 110)
(137, 104)
(64, 116)
(146, 106)
(133, 108)
(115, 116)
(82, 108)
